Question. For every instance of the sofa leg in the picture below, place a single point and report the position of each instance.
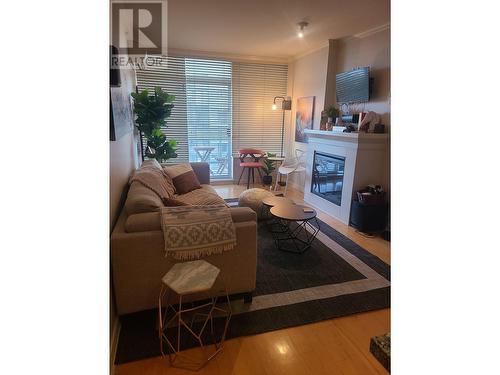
(247, 298)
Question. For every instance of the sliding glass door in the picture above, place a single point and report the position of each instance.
(220, 107)
(209, 114)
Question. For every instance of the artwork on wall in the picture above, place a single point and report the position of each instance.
(121, 119)
(304, 116)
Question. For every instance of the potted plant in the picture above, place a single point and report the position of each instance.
(268, 169)
(152, 112)
(332, 112)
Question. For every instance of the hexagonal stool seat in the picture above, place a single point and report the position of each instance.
(253, 198)
(190, 323)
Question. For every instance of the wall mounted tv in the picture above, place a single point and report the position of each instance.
(353, 86)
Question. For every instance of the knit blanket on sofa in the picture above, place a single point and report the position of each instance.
(155, 180)
(192, 232)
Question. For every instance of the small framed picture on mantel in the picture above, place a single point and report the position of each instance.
(304, 116)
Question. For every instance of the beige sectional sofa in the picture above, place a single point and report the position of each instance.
(137, 247)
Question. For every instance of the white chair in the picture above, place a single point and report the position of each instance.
(291, 165)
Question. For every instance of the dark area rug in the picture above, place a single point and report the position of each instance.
(277, 272)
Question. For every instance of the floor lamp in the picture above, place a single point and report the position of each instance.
(286, 105)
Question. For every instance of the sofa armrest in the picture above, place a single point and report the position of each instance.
(202, 171)
(241, 214)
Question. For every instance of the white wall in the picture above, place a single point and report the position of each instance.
(307, 77)
(123, 154)
(123, 159)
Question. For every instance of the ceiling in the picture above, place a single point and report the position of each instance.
(268, 28)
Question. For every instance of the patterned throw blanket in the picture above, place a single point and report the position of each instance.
(191, 232)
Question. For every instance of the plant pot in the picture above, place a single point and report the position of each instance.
(267, 180)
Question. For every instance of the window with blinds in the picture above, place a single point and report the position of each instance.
(255, 124)
(220, 107)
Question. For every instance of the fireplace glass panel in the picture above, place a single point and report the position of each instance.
(328, 177)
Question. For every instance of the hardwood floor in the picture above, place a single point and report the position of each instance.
(336, 346)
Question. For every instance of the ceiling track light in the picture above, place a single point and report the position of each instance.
(302, 25)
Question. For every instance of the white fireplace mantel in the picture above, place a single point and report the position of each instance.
(366, 162)
(348, 137)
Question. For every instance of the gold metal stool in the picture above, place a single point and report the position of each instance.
(185, 279)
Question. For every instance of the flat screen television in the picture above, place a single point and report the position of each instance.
(353, 86)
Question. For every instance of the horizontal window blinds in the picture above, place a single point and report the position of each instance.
(255, 124)
(219, 104)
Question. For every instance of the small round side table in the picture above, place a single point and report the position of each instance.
(297, 233)
(185, 279)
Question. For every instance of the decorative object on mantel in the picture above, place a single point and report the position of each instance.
(304, 117)
(152, 112)
(369, 121)
(286, 105)
(380, 347)
(332, 113)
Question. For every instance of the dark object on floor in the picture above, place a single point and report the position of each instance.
(247, 297)
(380, 347)
(278, 272)
(368, 218)
(267, 180)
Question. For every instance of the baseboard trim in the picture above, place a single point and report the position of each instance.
(113, 343)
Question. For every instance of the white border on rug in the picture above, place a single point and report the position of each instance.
(373, 281)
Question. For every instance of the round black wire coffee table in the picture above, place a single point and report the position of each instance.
(265, 211)
(296, 232)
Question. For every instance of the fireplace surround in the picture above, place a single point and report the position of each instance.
(338, 164)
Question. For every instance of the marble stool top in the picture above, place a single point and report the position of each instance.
(191, 277)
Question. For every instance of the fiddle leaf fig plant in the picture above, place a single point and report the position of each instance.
(152, 112)
(159, 148)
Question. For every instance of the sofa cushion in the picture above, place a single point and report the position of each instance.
(205, 195)
(141, 199)
(183, 177)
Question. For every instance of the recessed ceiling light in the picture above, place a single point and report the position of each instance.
(302, 25)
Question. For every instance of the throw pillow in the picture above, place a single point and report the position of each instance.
(183, 177)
